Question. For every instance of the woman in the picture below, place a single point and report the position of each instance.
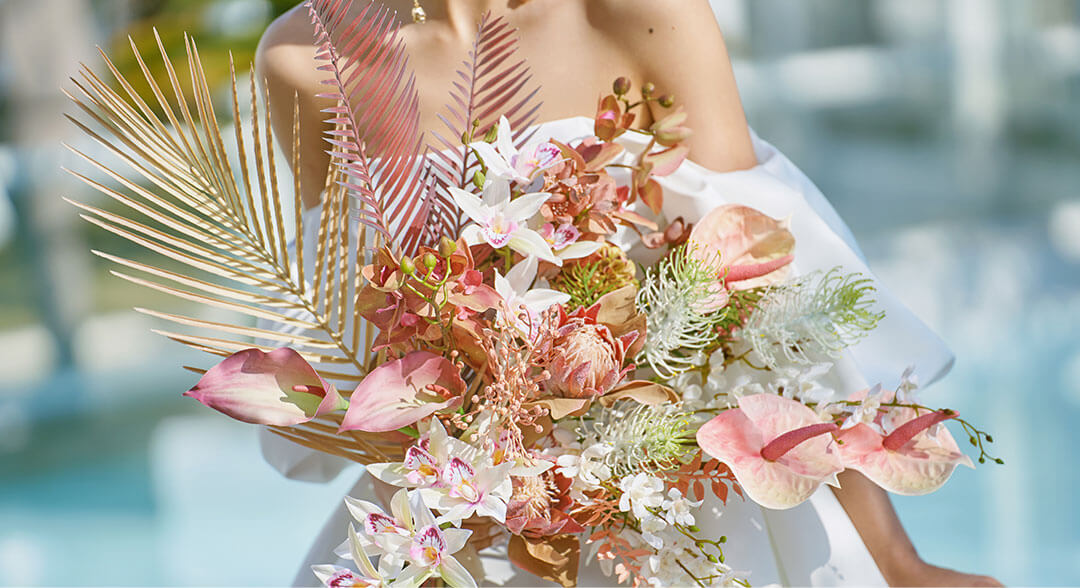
(575, 48)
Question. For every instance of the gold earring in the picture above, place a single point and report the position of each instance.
(418, 14)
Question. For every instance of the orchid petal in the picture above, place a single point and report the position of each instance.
(497, 194)
(521, 276)
(359, 556)
(529, 242)
(471, 205)
(277, 388)
(497, 165)
(473, 235)
(455, 574)
(526, 206)
(539, 299)
(390, 473)
(396, 394)
(504, 139)
(412, 577)
(578, 250)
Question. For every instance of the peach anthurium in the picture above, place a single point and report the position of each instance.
(916, 457)
(753, 248)
(277, 388)
(778, 449)
(403, 391)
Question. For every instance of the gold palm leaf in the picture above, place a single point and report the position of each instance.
(187, 200)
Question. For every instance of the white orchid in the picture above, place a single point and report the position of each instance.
(502, 222)
(333, 576)
(483, 490)
(504, 161)
(565, 241)
(410, 545)
(678, 509)
(527, 304)
(867, 410)
(424, 462)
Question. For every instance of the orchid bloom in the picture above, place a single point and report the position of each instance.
(424, 462)
(338, 577)
(504, 161)
(565, 241)
(778, 449)
(407, 547)
(524, 303)
(467, 490)
(904, 451)
(278, 388)
(502, 222)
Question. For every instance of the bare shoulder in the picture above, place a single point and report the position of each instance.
(646, 24)
(286, 50)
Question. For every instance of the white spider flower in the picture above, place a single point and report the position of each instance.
(502, 222)
(504, 161)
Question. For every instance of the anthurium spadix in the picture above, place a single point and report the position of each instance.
(916, 457)
(277, 388)
(778, 449)
(403, 391)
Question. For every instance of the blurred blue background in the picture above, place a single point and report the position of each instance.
(947, 133)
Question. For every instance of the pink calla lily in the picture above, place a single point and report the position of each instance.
(917, 457)
(403, 391)
(753, 248)
(778, 449)
(277, 388)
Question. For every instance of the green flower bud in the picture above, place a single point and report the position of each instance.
(999, 461)
(430, 261)
(647, 90)
(712, 558)
(478, 179)
(491, 134)
(447, 247)
(989, 439)
(621, 86)
(667, 101)
(407, 266)
(694, 529)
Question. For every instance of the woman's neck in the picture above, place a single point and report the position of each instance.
(461, 16)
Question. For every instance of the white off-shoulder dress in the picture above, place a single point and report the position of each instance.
(814, 544)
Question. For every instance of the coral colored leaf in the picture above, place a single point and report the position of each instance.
(403, 391)
(652, 195)
(664, 163)
(277, 388)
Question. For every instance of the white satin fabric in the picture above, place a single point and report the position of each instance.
(814, 544)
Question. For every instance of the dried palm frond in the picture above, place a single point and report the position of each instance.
(491, 84)
(377, 114)
(187, 201)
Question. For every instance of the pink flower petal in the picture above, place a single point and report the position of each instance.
(403, 391)
(277, 388)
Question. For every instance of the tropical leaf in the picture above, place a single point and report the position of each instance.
(192, 203)
(377, 114)
(492, 83)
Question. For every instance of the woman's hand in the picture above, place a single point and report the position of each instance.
(874, 518)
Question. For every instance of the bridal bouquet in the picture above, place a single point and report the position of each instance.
(480, 341)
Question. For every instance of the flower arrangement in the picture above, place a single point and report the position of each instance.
(517, 371)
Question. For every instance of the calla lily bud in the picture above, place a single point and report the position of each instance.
(647, 90)
(667, 101)
(621, 86)
(407, 266)
(479, 179)
(447, 247)
(430, 261)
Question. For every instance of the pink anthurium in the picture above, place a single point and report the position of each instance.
(916, 457)
(778, 449)
(277, 388)
(402, 391)
(753, 248)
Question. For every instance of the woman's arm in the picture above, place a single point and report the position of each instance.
(874, 518)
(679, 47)
(285, 60)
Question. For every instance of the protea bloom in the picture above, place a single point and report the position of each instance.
(588, 360)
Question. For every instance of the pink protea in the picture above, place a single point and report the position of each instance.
(587, 358)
